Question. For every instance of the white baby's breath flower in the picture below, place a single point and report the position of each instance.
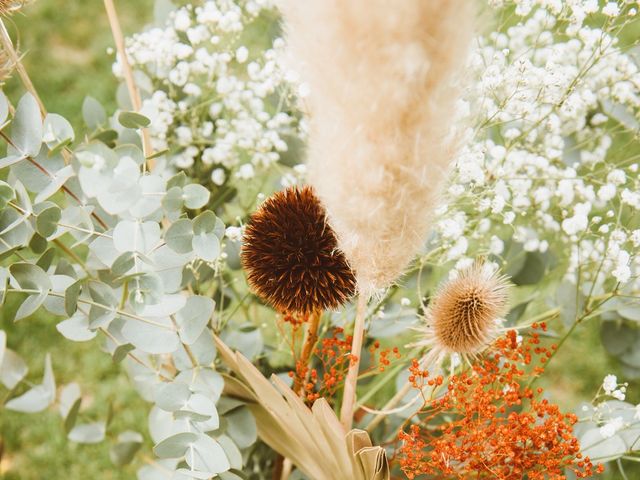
(610, 383)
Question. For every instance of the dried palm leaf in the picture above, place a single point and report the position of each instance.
(312, 438)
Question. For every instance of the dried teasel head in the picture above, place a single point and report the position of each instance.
(291, 257)
(463, 316)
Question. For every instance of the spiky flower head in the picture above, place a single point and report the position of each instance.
(463, 316)
(291, 256)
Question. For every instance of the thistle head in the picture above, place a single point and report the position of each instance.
(463, 315)
(291, 256)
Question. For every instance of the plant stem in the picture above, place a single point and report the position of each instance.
(349, 396)
(310, 339)
(136, 102)
(15, 59)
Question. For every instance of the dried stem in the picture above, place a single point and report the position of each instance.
(390, 405)
(349, 396)
(134, 94)
(311, 337)
(7, 44)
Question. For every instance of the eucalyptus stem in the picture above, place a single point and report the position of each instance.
(349, 395)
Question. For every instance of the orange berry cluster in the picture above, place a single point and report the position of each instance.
(490, 424)
(334, 356)
(383, 356)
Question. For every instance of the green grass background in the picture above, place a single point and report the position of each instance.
(65, 43)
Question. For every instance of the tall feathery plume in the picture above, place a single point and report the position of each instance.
(382, 83)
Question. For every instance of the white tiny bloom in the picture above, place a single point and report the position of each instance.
(233, 233)
(245, 172)
(610, 428)
(607, 192)
(181, 20)
(610, 383)
(242, 54)
(496, 245)
(405, 302)
(617, 177)
(218, 176)
(611, 9)
(509, 217)
(618, 394)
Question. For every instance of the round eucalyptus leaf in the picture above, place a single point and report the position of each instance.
(6, 193)
(93, 113)
(233, 453)
(76, 328)
(175, 446)
(88, 433)
(69, 394)
(195, 196)
(26, 128)
(47, 220)
(206, 455)
(57, 131)
(122, 453)
(4, 108)
(193, 317)
(172, 396)
(600, 449)
(173, 200)
(206, 246)
(130, 236)
(133, 120)
(39, 397)
(204, 223)
(179, 236)
(12, 369)
(30, 277)
(241, 427)
(158, 470)
(151, 338)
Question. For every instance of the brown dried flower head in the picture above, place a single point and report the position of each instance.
(291, 257)
(464, 313)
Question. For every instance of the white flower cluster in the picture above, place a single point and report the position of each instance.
(610, 387)
(213, 101)
(542, 168)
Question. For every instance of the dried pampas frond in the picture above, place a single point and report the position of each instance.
(313, 439)
(8, 7)
(462, 317)
(6, 66)
(291, 257)
(381, 78)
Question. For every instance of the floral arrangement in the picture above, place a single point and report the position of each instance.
(333, 240)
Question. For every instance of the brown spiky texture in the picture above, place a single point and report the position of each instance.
(463, 316)
(381, 106)
(291, 256)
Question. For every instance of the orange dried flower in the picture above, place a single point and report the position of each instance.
(496, 427)
(291, 256)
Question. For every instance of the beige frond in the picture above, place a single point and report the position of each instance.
(312, 438)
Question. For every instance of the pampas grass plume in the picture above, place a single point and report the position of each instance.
(381, 78)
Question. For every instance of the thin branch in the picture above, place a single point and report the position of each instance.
(15, 59)
(134, 94)
(349, 396)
